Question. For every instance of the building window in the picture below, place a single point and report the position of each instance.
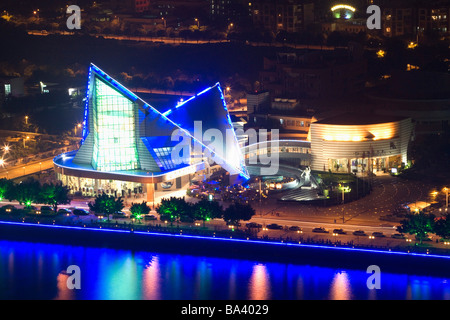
(7, 89)
(114, 130)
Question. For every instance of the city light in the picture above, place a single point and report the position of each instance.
(343, 6)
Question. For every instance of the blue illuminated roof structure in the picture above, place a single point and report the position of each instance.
(122, 132)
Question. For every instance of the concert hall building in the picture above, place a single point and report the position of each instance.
(128, 145)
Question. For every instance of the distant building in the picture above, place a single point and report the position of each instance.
(230, 10)
(128, 6)
(360, 143)
(422, 96)
(401, 18)
(287, 15)
(11, 87)
(257, 101)
(316, 74)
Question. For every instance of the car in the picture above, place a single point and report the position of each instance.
(339, 231)
(9, 208)
(295, 228)
(253, 225)
(150, 217)
(80, 212)
(187, 219)
(31, 210)
(378, 234)
(359, 233)
(46, 210)
(398, 236)
(320, 230)
(119, 215)
(274, 226)
(63, 211)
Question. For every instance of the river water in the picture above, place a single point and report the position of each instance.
(37, 271)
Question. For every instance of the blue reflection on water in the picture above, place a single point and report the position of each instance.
(36, 271)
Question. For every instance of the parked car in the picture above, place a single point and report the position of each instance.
(31, 210)
(80, 212)
(9, 208)
(274, 226)
(320, 230)
(119, 215)
(359, 233)
(339, 231)
(46, 210)
(253, 225)
(378, 234)
(295, 228)
(150, 217)
(398, 236)
(63, 211)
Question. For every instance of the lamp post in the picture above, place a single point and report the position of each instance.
(24, 139)
(260, 206)
(343, 212)
(446, 198)
(26, 120)
(198, 23)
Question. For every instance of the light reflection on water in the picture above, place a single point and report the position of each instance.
(36, 271)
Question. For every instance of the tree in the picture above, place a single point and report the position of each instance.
(106, 204)
(442, 227)
(175, 209)
(206, 210)
(418, 224)
(139, 209)
(54, 195)
(6, 189)
(27, 192)
(236, 212)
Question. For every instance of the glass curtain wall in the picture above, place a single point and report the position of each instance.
(114, 130)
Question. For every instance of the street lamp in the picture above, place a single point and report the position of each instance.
(24, 139)
(446, 198)
(26, 120)
(198, 23)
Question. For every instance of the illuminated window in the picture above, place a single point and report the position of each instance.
(114, 127)
(7, 89)
(164, 158)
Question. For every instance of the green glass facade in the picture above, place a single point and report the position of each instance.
(114, 130)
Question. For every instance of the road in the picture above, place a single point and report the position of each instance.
(166, 40)
(26, 169)
(388, 192)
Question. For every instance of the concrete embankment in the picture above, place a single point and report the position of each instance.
(257, 250)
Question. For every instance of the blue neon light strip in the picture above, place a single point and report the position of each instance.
(231, 240)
